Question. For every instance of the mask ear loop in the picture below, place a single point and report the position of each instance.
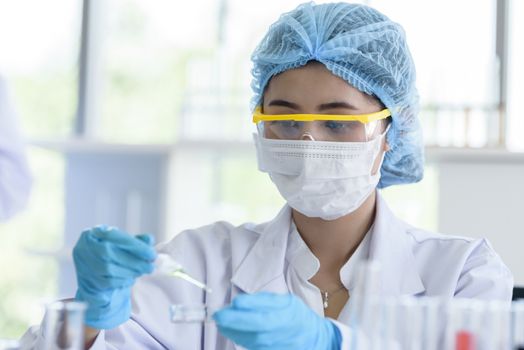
(371, 127)
(260, 128)
(382, 136)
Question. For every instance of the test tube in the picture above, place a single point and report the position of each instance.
(370, 322)
(367, 284)
(388, 324)
(361, 302)
(495, 329)
(517, 325)
(64, 325)
(411, 323)
(463, 324)
(433, 322)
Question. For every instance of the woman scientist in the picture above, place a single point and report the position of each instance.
(336, 107)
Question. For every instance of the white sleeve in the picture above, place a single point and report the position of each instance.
(15, 177)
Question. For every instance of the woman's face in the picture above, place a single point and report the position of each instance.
(313, 89)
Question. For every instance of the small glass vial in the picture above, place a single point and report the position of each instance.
(196, 313)
(64, 325)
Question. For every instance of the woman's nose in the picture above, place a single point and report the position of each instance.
(306, 136)
(307, 133)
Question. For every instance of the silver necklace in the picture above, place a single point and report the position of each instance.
(325, 296)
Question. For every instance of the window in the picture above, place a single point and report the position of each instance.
(457, 70)
(515, 77)
(40, 41)
(146, 48)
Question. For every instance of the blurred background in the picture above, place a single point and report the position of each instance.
(137, 115)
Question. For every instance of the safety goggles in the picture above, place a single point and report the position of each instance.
(321, 127)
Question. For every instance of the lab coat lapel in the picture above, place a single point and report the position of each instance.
(391, 248)
(263, 267)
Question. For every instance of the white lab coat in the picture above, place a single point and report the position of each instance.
(252, 258)
(15, 178)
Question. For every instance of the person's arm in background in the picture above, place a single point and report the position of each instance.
(15, 176)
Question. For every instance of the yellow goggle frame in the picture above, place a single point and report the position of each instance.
(258, 116)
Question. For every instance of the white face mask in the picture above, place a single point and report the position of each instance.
(318, 178)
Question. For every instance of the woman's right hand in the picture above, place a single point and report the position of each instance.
(107, 262)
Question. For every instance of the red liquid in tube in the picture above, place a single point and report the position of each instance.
(464, 340)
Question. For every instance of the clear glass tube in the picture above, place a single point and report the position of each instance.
(517, 325)
(64, 325)
(433, 327)
(411, 324)
(388, 326)
(191, 313)
(496, 326)
(367, 287)
(464, 324)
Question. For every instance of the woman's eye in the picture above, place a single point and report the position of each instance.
(345, 126)
(285, 123)
(333, 125)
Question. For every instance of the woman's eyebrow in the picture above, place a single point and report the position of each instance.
(283, 103)
(322, 107)
(334, 105)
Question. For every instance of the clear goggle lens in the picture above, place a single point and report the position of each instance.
(325, 130)
(321, 127)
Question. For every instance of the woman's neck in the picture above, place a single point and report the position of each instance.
(333, 242)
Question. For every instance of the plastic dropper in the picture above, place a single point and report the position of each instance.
(166, 265)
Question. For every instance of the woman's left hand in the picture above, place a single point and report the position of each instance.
(276, 321)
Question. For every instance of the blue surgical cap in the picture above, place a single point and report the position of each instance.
(363, 47)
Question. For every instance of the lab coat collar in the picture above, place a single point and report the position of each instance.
(263, 266)
(306, 264)
(390, 247)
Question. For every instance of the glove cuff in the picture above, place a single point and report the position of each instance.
(106, 314)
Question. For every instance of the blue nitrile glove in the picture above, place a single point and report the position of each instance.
(107, 262)
(265, 321)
